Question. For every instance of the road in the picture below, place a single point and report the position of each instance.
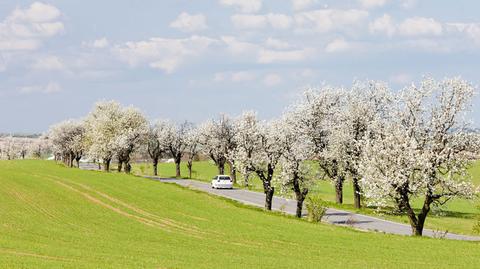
(288, 206)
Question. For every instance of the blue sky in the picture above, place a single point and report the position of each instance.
(194, 59)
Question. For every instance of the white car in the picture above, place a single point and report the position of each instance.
(222, 182)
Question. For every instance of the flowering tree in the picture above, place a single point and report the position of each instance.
(217, 140)
(103, 126)
(68, 141)
(174, 140)
(258, 150)
(154, 144)
(9, 148)
(192, 148)
(295, 168)
(133, 130)
(419, 150)
(362, 105)
(315, 117)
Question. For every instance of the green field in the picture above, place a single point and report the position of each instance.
(56, 217)
(457, 216)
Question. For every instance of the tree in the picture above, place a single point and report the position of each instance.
(258, 150)
(295, 168)
(9, 148)
(363, 104)
(154, 144)
(132, 132)
(192, 149)
(68, 141)
(217, 140)
(419, 150)
(103, 126)
(175, 142)
(316, 115)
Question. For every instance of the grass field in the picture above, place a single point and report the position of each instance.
(56, 217)
(457, 216)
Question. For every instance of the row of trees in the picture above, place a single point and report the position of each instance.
(21, 147)
(393, 146)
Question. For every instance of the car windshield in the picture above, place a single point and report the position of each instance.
(224, 178)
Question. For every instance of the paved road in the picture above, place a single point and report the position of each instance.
(333, 216)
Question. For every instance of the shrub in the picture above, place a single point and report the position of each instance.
(316, 208)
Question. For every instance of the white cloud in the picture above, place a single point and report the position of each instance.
(471, 30)
(337, 45)
(48, 63)
(243, 76)
(163, 53)
(271, 80)
(247, 6)
(249, 21)
(190, 23)
(273, 51)
(239, 48)
(409, 3)
(372, 3)
(276, 44)
(383, 25)
(51, 87)
(267, 56)
(418, 26)
(25, 29)
(236, 77)
(302, 4)
(401, 78)
(326, 20)
(97, 43)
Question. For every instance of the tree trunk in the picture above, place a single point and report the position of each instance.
(269, 197)
(120, 164)
(155, 166)
(128, 168)
(233, 172)
(177, 168)
(299, 194)
(221, 168)
(339, 190)
(356, 194)
(78, 161)
(126, 161)
(189, 165)
(106, 165)
(71, 159)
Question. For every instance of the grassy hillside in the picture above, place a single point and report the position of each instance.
(55, 217)
(457, 216)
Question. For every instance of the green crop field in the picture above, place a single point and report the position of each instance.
(457, 216)
(56, 217)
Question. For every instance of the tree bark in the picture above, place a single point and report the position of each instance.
(339, 189)
(128, 168)
(356, 193)
(120, 164)
(221, 168)
(177, 168)
(189, 165)
(233, 172)
(71, 159)
(269, 197)
(106, 165)
(155, 166)
(77, 159)
(300, 195)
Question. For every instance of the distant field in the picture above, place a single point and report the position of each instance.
(56, 217)
(458, 216)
